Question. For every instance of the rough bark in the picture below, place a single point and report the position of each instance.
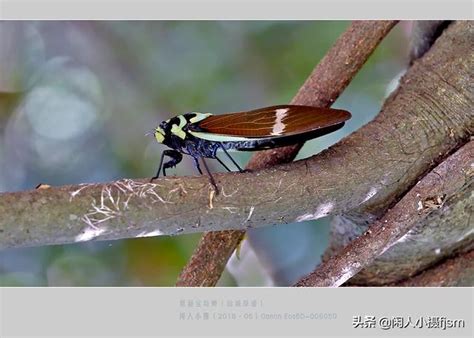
(436, 196)
(455, 271)
(449, 68)
(208, 261)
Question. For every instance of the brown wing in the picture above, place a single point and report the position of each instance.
(283, 120)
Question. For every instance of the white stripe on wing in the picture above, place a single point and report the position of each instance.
(279, 126)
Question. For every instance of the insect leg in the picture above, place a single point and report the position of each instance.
(233, 161)
(196, 164)
(211, 178)
(176, 157)
(222, 163)
(159, 167)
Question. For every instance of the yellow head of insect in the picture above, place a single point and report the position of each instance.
(159, 134)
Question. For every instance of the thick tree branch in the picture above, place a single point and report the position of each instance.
(207, 263)
(429, 196)
(432, 239)
(327, 81)
(438, 237)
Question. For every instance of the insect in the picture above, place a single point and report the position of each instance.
(202, 135)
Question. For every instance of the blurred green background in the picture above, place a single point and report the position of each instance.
(76, 99)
